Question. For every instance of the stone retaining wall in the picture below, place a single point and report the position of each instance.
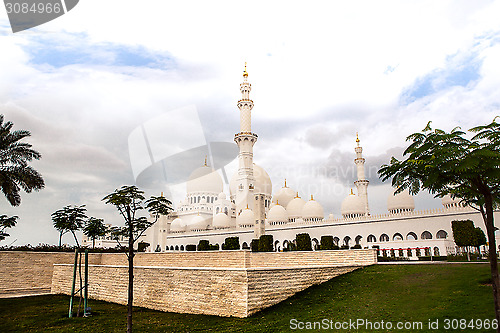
(22, 271)
(237, 292)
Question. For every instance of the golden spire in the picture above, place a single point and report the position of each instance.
(206, 160)
(357, 138)
(297, 196)
(245, 74)
(277, 202)
(352, 192)
(162, 194)
(285, 182)
(312, 197)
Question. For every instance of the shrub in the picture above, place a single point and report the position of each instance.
(326, 243)
(190, 247)
(203, 245)
(303, 242)
(335, 247)
(344, 247)
(142, 246)
(214, 247)
(265, 243)
(254, 245)
(231, 243)
(357, 246)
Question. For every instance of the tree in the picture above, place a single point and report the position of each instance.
(479, 239)
(15, 173)
(6, 222)
(129, 200)
(94, 228)
(449, 163)
(463, 234)
(60, 224)
(69, 219)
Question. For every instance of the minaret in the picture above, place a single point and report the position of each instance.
(362, 182)
(245, 140)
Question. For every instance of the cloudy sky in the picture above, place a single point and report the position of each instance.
(90, 83)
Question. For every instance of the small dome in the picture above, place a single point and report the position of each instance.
(284, 195)
(222, 196)
(294, 207)
(401, 202)
(312, 210)
(198, 223)
(448, 202)
(262, 181)
(352, 205)
(204, 179)
(177, 225)
(277, 214)
(246, 219)
(221, 221)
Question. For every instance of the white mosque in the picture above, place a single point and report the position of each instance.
(251, 210)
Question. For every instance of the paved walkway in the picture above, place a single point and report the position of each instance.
(24, 292)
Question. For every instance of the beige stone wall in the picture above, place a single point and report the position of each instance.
(267, 287)
(25, 270)
(237, 292)
(224, 283)
(221, 292)
(313, 258)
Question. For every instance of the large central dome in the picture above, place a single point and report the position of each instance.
(204, 179)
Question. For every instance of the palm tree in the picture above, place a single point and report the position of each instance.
(15, 173)
(94, 228)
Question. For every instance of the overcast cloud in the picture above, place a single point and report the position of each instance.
(320, 73)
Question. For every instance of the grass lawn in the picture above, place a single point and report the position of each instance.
(381, 292)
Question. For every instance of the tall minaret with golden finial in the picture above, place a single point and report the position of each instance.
(362, 182)
(245, 140)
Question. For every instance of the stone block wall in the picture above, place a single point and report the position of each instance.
(221, 292)
(22, 271)
(237, 292)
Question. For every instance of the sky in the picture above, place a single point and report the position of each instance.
(91, 84)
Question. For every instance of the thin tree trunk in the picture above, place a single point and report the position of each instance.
(93, 242)
(60, 239)
(490, 229)
(130, 279)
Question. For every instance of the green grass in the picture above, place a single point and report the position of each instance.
(384, 292)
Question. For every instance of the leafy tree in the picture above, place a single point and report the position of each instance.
(15, 173)
(129, 201)
(94, 228)
(6, 222)
(60, 223)
(463, 234)
(450, 163)
(69, 219)
(479, 239)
